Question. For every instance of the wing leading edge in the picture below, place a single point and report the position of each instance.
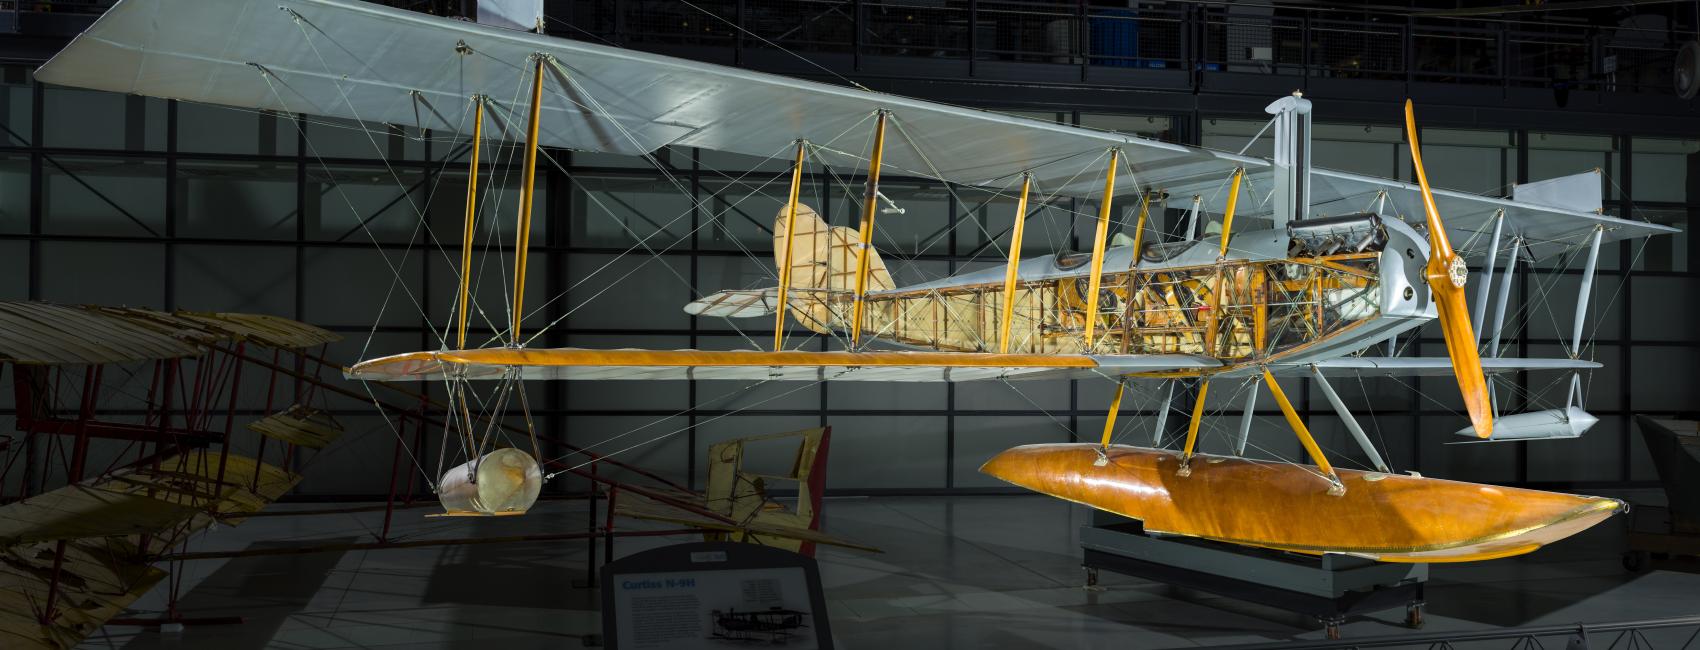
(752, 365)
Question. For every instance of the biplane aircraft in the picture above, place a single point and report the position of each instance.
(1308, 271)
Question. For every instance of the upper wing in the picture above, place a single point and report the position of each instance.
(1544, 229)
(751, 365)
(363, 61)
(1469, 218)
(377, 64)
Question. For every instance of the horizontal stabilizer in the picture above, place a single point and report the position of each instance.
(1551, 424)
(736, 303)
(1426, 366)
(759, 365)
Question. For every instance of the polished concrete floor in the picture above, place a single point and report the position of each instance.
(958, 572)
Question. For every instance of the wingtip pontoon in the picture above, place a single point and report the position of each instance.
(1283, 506)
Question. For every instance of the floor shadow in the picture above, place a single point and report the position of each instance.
(265, 590)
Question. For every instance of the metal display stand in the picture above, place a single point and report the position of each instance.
(1328, 588)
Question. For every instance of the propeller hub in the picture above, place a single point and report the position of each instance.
(1458, 272)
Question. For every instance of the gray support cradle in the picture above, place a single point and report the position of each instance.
(1351, 422)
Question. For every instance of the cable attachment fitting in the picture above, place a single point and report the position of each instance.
(1335, 487)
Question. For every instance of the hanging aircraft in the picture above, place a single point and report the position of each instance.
(1332, 264)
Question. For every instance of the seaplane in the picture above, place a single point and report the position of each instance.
(1298, 271)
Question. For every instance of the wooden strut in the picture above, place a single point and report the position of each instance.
(467, 233)
(1214, 297)
(525, 195)
(471, 218)
(1192, 428)
(790, 242)
(1134, 291)
(1228, 212)
(1110, 418)
(1337, 488)
(1096, 279)
(1011, 273)
(870, 207)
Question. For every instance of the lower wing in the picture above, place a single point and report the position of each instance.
(746, 365)
(1425, 366)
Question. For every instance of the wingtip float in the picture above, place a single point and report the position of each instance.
(1386, 517)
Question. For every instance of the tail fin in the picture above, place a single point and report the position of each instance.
(823, 269)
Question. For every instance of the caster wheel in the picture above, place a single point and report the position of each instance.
(1635, 561)
(1414, 616)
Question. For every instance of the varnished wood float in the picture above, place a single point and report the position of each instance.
(1387, 517)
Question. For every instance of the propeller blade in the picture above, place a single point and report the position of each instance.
(1447, 275)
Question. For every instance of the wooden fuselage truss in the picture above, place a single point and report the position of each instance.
(1247, 307)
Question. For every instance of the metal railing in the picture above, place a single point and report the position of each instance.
(1168, 36)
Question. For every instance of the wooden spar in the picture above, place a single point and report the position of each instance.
(790, 241)
(1213, 297)
(870, 207)
(1228, 213)
(1197, 415)
(1134, 294)
(1260, 309)
(1010, 275)
(1110, 418)
(471, 217)
(1299, 428)
(1096, 280)
(528, 179)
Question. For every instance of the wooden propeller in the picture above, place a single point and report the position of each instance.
(1447, 275)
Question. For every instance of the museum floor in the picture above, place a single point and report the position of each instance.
(958, 572)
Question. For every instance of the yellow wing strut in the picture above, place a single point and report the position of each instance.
(1302, 432)
(471, 216)
(1192, 425)
(1110, 418)
(870, 207)
(790, 240)
(1015, 261)
(1139, 229)
(1228, 213)
(1096, 280)
(525, 193)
